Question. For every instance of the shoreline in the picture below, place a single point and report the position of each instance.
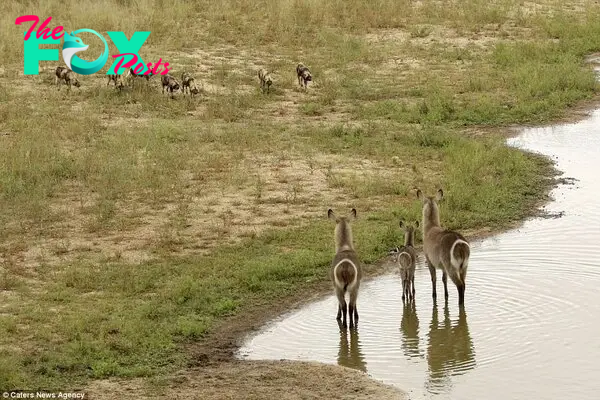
(216, 354)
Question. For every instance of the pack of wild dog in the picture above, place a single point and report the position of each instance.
(187, 85)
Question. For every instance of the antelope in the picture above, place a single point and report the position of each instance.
(265, 79)
(65, 74)
(303, 74)
(345, 270)
(406, 258)
(444, 249)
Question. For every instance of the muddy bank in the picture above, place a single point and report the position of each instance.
(285, 380)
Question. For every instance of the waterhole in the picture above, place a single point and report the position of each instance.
(530, 328)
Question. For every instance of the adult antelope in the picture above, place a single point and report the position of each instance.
(444, 249)
(345, 269)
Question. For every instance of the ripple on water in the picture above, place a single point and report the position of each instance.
(530, 325)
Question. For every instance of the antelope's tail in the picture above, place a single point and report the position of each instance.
(459, 254)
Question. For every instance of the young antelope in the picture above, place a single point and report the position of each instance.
(345, 270)
(406, 258)
(444, 249)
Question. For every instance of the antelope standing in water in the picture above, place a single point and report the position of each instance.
(345, 269)
(444, 249)
(406, 257)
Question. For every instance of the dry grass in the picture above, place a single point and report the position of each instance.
(127, 201)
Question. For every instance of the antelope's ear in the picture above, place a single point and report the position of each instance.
(439, 195)
(401, 223)
(330, 214)
(420, 195)
(353, 213)
(417, 224)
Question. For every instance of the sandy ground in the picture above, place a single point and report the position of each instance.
(284, 380)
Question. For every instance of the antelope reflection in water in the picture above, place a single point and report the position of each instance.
(409, 326)
(450, 349)
(349, 354)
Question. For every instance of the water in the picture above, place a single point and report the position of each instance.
(530, 328)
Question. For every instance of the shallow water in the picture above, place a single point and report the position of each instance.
(530, 328)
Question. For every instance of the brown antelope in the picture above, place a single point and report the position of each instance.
(345, 271)
(406, 258)
(444, 249)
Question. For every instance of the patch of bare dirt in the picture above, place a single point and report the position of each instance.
(285, 380)
(269, 192)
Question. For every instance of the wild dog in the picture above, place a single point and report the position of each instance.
(65, 74)
(131, 75)
(346, 271)
(170, 83)
(303, 74)
(194, 90)
(117, 80)
(265, 79)
(406, 258)
(187, 81)
(444, 249)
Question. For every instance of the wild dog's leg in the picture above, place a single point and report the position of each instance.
(412, 283)
(445, 280)
(433, 278)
